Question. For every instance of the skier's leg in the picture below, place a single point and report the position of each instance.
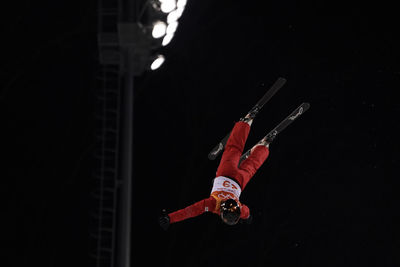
(247, 169)
(233, 150)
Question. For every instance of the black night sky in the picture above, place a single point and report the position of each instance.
(328, 195)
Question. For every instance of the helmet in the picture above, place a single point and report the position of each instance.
(230, 211)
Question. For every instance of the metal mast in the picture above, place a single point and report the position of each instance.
(128, 41)
(111, 213)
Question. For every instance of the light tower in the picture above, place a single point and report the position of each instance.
(131, 34)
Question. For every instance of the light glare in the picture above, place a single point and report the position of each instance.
(157, 62)
(175, 15)
(159, 29)
(171, 29)
(167, 39)
(181, 3)
(168, 5)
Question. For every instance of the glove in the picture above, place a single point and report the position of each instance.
(247, 221)
(164, 221)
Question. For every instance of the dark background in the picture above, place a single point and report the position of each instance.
(327, 195)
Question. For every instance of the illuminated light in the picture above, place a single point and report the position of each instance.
(181, 3)
(167, 6)
(175, 15)
(167, 39)
(171, 29)
(159, 29)
(179, 10)
(157, 62)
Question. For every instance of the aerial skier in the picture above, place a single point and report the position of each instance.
(235, 170)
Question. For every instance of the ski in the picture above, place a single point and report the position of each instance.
(281, 126)
(252, 113)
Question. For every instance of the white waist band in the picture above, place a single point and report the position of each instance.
(222, 183)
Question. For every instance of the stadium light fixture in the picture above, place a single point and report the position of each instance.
(157, 62)
(159, 29)
(160, 19)
(177, 13)
(171, 29)
(174, 15)
(167, 5)
(181, 3)
(167, 39)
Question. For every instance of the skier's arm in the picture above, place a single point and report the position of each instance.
(194, 210)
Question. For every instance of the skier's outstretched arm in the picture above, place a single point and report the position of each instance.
(193, 210)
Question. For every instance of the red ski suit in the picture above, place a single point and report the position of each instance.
(231, 175)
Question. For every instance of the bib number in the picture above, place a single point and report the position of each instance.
(228, 184)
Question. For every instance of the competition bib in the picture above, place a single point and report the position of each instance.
(225, 187)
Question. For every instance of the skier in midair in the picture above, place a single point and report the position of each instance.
(235, 170)
(231, 179)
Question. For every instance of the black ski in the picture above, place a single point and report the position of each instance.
(281, 126)
(252, 113)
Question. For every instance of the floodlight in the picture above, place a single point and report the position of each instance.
(167, 38)
(175, 15)
(157, 62)
(171, 29)
(167, 5)
(159, 29)
(181, 3)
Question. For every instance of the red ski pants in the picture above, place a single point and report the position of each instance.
(233, 151)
